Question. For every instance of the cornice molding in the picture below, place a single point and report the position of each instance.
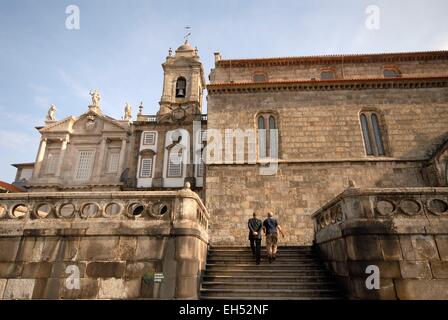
(329, 85)
(330, 59)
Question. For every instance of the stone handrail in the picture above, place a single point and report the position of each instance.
(169, 206)
(383, 203)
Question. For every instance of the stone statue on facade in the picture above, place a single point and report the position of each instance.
(51, 115)
(127, 112)
(96, 97)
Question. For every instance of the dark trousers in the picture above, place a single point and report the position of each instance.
(255, 246)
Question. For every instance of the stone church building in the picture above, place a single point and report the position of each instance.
(338, 147)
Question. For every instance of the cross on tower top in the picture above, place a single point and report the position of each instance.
(188, 33)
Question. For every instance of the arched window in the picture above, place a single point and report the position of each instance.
(181, 87)
(391, 72)
(377, 134)
(365, 135)
(267, 136)
(271, 122)
(371, 133)
(259, 77)
(327, 75)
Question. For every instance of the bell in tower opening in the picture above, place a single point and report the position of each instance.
(181, 85)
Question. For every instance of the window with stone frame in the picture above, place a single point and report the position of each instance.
(149, 138)
(113, 161)
(327, 75)
(146, 165)
(175, 163)
(267, 135)
(391, 72)
(259, 77)
(181, 87)
(85, 165)
(372, 134)
(52, 162)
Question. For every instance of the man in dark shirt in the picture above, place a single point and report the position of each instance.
(255, 225)
(270, 228)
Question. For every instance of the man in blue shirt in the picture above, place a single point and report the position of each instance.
(255, 226)
(271, 229)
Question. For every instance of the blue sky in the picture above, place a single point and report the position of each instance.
(121, 45)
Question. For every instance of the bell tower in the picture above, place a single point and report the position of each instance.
(183, 85)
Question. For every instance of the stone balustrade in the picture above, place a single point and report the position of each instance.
(403, 231)
(117, 241)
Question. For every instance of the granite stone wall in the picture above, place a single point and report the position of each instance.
(403, 232)
(102, 256)
(320, 149)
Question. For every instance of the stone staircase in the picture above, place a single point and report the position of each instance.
(297, 273)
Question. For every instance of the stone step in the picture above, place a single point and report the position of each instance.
(294, 273)
(237, 260)
(279, 255)
(269, 298)
(268, 278)
(284, 293)
(247, 250)
(268, 285)
(242, 248)
(254, 268)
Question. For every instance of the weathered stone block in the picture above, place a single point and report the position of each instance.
(60, 248)
(388, 269)
(442, 245)
(188, 268)
(440, 269)
(415, 269)
(150, 248)
(187, 287)
(425, 247)
(187, 248)
(64, 269)
(19, 289)
(9, 248)
(139, 269)
(358, 290)
(48, 288)
(127, 247)
(10, 269)
(105, 269)
(363, 248)
(340, 268)
(88, 289)
(37, 270)
(98, 248)
(390, 247)
(413, 289)
(132, 288)
(2, 287)
(112, 289)
(30, 249)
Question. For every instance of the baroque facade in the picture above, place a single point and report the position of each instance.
(349, 152)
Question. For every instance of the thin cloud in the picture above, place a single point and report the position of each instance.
(77, 88)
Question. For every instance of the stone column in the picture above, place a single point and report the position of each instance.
(122, 155)
(61, 156)
(99, 165)
(40, 158)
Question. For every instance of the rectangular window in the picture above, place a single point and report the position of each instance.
(85, 164)
(175, 165)
(146, 168)
(200, 168)
(52, 162)
(114, 159)
(149, 138)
